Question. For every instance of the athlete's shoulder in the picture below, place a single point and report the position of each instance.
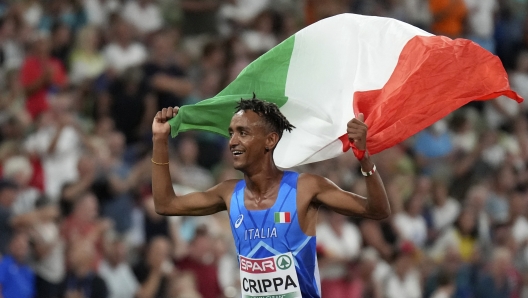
(311, 182)
(227, 186)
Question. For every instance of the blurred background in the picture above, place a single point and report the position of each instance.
(81, 80)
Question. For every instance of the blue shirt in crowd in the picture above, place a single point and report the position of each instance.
(16, 280)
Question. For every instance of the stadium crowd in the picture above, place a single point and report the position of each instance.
(81, 80)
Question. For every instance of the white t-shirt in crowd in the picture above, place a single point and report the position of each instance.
(146, 19)
(347, 245)
(412, 228)
(444, 216)
(61, 165)
(120, 58)
(409, 287)
(52, 266)
(120, 280)
(481, 16)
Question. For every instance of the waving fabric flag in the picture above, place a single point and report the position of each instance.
(401, 78)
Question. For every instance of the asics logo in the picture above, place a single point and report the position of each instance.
(239, 221)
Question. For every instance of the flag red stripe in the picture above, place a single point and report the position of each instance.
(287, 217)
(434, 76)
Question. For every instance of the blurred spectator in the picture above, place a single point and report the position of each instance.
(145, 15)
(116, 272)
(41, 75)
(163, 77)
(62, 11)
(448, 17)
(481, 14)
(453, 267)
(86, 63)
(338, 243)
(9, 222)
(19, 170)
(82, 280)
(404, 280)
(57, 142)
(72, 190)
(17, 280)
(153, 271)
(202, 263)
(190, 173)
(260, 39)
(32, 12)
(445, 209)
(496, 282)
(61, 40)
(446, 286)
(11, 50)
(463, 238)
(98, 12)
(48, 259)
(123, 52)
(433, 147)
(184, 286)
(519, 78)
(117, 180)
(410, 223)
(84, 224)
(497, 204)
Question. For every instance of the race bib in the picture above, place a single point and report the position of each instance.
(272, 277)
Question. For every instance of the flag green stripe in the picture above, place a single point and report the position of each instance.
(266, 77)
(277, 217)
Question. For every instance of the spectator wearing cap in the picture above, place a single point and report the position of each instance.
(17, 280)
(41, 75)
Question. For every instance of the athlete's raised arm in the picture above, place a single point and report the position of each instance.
(165, 200)
(325, 192)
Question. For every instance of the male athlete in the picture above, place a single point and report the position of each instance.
(273, 213)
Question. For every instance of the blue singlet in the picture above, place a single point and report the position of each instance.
(261, 234)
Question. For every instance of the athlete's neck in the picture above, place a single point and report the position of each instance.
(258, 182)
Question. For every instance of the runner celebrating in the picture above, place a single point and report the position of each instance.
(273, 213)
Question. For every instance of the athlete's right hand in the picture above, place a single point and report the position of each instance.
(160, 125)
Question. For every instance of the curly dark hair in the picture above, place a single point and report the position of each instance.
(274, 119)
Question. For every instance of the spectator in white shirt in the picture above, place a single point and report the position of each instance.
(410, 223)
(445, 209)
(57, 142)
(404, 281)
(339, 242)
(481, 15)
(145, 15)
(124, 53)
(116, 272)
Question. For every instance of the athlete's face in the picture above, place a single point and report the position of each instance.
(249, 139)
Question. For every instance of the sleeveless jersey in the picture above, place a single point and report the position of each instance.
(272, 247)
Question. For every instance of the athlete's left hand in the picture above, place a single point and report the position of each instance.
(357, 132)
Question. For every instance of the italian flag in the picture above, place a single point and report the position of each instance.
(401, 78)
(282, 217)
